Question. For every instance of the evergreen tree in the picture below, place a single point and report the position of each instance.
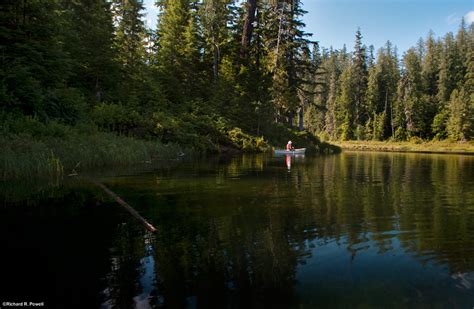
(353, 93)
(332, 67)
(331, 123)
(35, 66)
(430, 76)
(461, 116)
(175, 30)
(430, 66)
(215, 15)
(370, 57)
(447, 73)
(392, 77)
(90, 44)
(381, 93)
(374, 97)
(346, 105)
(315, 112)
(290, 63)
(411, 97)
(359, 78)
(130, 46)
(469, 62)
(460, 124)
(462, 50)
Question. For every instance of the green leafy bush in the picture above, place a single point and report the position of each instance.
(247, 142)
(67, 105)
(416, 140)
(116, 118)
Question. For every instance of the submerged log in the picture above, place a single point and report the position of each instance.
(125, 205)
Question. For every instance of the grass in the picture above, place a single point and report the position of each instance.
(32, 149)
(413, 146)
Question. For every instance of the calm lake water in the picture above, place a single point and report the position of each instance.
(350, 230)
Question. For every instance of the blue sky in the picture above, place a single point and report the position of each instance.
(403, 22)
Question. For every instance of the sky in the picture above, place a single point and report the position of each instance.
(403, 22)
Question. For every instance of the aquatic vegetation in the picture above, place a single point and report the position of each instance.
(34, 149)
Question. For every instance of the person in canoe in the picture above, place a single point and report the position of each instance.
(289, 146)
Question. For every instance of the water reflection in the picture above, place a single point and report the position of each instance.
(357, 229)
(375, 228)
(291, 158)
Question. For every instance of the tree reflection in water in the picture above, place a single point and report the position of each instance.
(241, 233)
(368, 229)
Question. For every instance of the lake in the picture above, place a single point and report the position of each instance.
(358, 229)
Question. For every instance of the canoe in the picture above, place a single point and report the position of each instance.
(290, 152)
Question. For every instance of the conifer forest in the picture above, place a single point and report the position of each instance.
(222, 72)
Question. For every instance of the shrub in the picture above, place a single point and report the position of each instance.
(416, 140)
(67, 105)
(116, 118)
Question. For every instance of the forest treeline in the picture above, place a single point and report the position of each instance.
(367, 95)
(214, 72)
(224, 72)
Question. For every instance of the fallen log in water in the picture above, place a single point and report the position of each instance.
(132, 211)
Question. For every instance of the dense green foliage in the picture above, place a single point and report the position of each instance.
(214, 75)
(428, 95)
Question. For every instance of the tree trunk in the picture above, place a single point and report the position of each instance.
(257, 56)
(248, 27)
(301, 124)
(391, 117)
(24, 12)
(217, 56)
(98, 93)
(278, 41)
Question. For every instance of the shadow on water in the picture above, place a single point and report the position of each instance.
(356, 229)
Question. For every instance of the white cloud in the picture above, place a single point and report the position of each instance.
(469, 17)
(452, 19)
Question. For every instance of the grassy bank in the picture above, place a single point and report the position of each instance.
(418, 146)
(31, 149)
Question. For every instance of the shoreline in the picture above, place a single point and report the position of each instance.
(441, 147)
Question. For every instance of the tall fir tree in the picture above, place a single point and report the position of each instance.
(447, 74)
(430, 66)
(359, 78)
(460, 126)
(174, 30)
(345, 105)
(411, 96)
(215, 16)
(90, 44)
(353, 93)
(35, 66)
(130, 47)
(381, 93)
